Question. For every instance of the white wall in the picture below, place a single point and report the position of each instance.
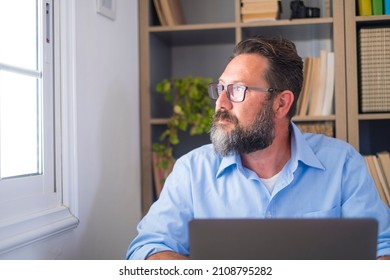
(107, 90)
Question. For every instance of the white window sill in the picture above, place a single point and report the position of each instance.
(19, 233)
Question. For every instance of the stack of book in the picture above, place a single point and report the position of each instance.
(317, 94)
(373, 7)
(374, 56)
(257, 10)
(379, 167)
(169, 12)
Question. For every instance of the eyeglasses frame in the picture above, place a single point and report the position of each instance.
(225, 87)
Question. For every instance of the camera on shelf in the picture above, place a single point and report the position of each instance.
(298, 10)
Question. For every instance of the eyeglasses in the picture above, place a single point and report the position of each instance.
(235, 93)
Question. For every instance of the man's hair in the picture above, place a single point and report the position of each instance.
(285, 69)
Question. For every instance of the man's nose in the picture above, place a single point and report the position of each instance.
(223, 101)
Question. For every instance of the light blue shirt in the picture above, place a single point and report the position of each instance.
(325, 177)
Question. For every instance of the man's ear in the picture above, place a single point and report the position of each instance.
(282, 103)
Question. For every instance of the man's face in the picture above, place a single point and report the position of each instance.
(247, 126)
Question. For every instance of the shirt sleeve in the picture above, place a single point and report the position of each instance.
(165, 226)
(361, 199)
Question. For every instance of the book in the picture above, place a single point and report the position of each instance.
(259, 17)
(384, 160)
(253, 1)
(304, 95)
(382, 179)
(259, 10)
(327, 106)
(325, 8)
(364, 7)
(177, 12)
(160, 13)
(386, 7)
(319, 87)
(299, 101)
(384, 157)
(259, 7)
(377, 7)
(172, 12)
(166, 10)
(315, 69)
(375, 177)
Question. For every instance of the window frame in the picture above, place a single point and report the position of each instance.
(63, 215)
(36, 191)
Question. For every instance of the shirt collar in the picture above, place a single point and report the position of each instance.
(300, 151)
(228, 161)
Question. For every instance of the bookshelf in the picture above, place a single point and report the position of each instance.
(202, 46)
(369, 133)
(368, 129)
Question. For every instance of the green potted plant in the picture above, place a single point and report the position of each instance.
(192, 111)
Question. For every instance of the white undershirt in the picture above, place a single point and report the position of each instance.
(270, 182)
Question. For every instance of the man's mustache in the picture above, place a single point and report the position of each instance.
(226, 116)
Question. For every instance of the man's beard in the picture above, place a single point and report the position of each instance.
(243, 140)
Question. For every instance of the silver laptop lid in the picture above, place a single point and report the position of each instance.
(283, 239)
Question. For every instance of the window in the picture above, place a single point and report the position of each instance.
(34, 153)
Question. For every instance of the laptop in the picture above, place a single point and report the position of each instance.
(283, 239)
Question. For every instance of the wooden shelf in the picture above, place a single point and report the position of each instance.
(357, 122)
(206, 26)
(372, 18)
(313, 118)
(187, 27)
(376, 116)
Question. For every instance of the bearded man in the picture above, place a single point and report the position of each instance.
(259, 164)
